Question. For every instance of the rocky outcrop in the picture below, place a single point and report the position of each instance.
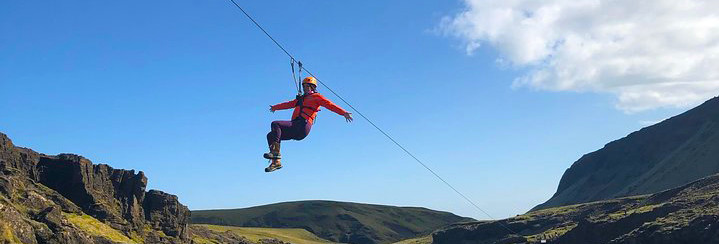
(686, 214)
(39, 193)
(669, 154)
(201, 234)
(105, 193)
(166, 213)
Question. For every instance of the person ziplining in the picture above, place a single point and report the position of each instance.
(302, 121)
(306, 107)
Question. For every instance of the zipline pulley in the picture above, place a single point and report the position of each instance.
(297, 79)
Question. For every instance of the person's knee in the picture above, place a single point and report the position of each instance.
(274, 125)
(300, 137)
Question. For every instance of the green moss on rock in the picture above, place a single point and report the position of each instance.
(94, 227)
(6, 235)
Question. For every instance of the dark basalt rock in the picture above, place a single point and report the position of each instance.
(36, 190)
(108, 194)
(166, 213)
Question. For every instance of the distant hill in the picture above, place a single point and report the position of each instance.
(335, 221)
(686, 214)
(669, 154)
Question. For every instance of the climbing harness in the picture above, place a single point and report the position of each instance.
(300, 97)
(300, 103)
(369, 121)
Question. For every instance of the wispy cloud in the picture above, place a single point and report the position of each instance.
(649, 53)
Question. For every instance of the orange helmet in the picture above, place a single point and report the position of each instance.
(310, 80)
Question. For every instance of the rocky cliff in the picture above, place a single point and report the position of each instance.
(674, 152)
(684, 215)
(68, 199)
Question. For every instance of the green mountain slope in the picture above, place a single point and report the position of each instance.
(674, 152)
(686, 214)
(335, 221)
(257, 235)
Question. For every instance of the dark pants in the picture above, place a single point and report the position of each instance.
(286, 130)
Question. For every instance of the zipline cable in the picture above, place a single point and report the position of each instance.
(370, 121)
(263, 30)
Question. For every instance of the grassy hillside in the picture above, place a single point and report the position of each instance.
(335, 221)
(669, 154)
(94, 227)
(418, 240)
(686, 214)
(255, 234)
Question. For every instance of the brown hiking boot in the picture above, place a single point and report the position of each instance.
(274, 151)
(275, 165)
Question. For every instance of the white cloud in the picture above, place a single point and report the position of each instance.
(649, 53)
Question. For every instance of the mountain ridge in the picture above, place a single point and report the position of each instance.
(685, 214)
(668, 154)
(334, 220)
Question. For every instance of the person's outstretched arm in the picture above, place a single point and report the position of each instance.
(334, 108)
(284, 105)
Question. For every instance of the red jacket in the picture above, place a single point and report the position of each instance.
(312, 103)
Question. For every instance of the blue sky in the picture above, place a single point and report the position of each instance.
(180, 90)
